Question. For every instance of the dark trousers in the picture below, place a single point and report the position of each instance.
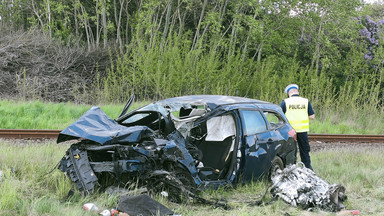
(302, 140)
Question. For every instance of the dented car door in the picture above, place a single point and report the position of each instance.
(260, 144)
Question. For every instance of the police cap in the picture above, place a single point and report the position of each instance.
(291, 86)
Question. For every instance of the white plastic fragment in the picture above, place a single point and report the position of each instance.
(105, 212)
(164, 193)
(90, 207)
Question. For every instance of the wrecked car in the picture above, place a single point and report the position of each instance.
(189, 143)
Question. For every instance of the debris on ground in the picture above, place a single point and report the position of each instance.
(348, 212)
(114, 212)
(113, 190)
(90, 207)
(106, 212)
(300, 186)
(142, 205)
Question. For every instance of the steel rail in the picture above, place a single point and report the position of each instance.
(52, 134)
(29, 134)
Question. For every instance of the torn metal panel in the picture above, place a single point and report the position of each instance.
(127, 106)
(76, 166)
(212, 101)
(96, 126)
(300, 186)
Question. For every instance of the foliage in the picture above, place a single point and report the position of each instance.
(373, 35)
(167, 48)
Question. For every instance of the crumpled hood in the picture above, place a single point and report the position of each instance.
(96, 126)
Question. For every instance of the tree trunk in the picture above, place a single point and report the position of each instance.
(167, 22)
(97, 22)
(105, 29)
(49, 18)
(87, 33)
(197, 34)
(127, 23)
(181, 18)
(36, 12)
(118, 22)
(316, 55)
(75, 14)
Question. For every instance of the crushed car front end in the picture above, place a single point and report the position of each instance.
(112, 154)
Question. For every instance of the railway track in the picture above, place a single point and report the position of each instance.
(28, 134)
(346, 138)
(52, 134)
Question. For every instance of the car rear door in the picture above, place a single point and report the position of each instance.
(260, 144)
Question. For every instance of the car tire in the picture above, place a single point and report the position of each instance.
(185, 177)
(276, 164)
(165, 181)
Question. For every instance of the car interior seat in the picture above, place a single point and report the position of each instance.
(216, 153)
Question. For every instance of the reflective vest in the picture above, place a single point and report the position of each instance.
(297, 113)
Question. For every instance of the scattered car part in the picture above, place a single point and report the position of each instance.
(105, 212)
(300, 186)
(142, 205)
(90, 207)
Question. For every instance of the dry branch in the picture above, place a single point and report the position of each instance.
(33, 66)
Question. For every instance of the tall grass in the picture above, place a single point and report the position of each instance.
(358, 170)
(351, 99)
(27, 189)
(43, 115)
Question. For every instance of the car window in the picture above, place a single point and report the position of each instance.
(147, 118)
(253, 122)
(135, 117)
(274, 119)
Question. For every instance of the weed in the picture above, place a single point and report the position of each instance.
(25, 189)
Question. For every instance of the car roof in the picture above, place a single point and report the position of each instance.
(212, 101)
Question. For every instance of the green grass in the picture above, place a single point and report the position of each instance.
(43, 115)
(351, 121)
(27, 189)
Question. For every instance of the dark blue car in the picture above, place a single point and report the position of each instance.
(193, 142)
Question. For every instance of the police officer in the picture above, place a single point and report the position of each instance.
(298, 111)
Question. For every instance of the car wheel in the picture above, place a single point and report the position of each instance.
(168, 182)
(276, 164)
(185, 178)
